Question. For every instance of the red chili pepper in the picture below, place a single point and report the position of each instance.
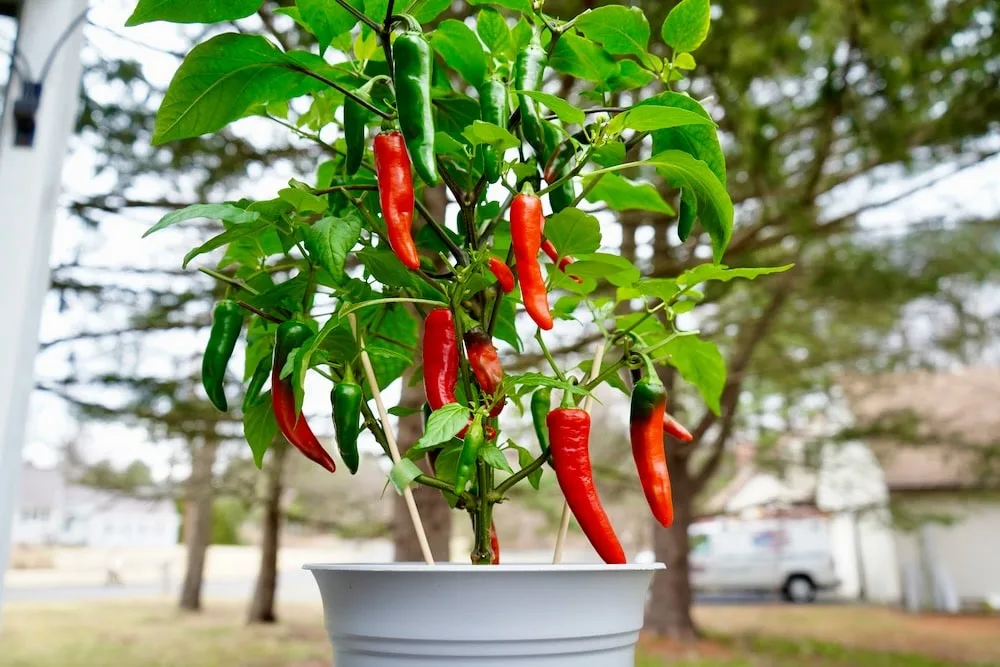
(503, 274)
(649, 404)
(550, 250)
(569, 435)
(293, 425)
(526, 234)
(484, 361)
(440, 350)
(494, 544)
(675, 429)
(395, 187)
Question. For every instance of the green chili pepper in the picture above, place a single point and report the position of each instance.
(562, 196)
(346, 398)
(475, 438)
(541, 405)
(413, 63)
(257, 380)
(355, 121)
(227, 323)
(529, 70)
(493, 109)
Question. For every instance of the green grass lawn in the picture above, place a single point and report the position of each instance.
(154, 634)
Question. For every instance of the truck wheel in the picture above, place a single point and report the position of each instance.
(800, 589)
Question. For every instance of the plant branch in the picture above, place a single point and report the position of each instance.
(341, 89)
(360, 15)
(521, 475)
(548, 356)
(453, 247)
(259, 312)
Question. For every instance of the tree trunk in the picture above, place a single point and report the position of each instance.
(262, 604)
(199, 532)
(669, 612)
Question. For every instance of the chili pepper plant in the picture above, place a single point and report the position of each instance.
(337, 273)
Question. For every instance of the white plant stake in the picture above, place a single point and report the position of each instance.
(390, 439)
(564, 522)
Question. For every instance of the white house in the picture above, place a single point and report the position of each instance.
(52, 511)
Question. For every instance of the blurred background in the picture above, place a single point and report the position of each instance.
(843, 509)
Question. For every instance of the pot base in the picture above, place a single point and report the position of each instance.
(414, 615)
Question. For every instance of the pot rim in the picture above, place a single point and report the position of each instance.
(469, 567)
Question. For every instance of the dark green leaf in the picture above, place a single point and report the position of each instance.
(566, 112)
(376, 9)
(622, 30)
(403, 474)
(461, 50)
(582, 58)
(329, 240)
(186, 11)
(573, 232)
(260, 428)
(327, 19)
(487, 133)
(455, 113)
(701, 364)
(687, 25)
(232, 234)
(385, 267)
(701, 141)
(426, 11)
(525, 459)
(287, 294)
(402, 411)
(706, 272)
(628, 76)
(622, 194)
(516, 5)
(223, 79)
(392, 343)
(495, 33)
(224, 212)
(610, 154)
(688, 212)
(506, 329)
(715, 208)
(444, 424)
(494, 458)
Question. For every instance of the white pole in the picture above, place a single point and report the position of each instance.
(30, 183)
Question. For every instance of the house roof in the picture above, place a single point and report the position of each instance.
(951, 419)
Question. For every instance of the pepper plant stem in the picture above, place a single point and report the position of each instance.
(482, 554)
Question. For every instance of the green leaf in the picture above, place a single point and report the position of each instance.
(622, 194)
(302, 201)
(186, 11)
(616, 269)
(403, 474)
(487, 133)
(622, 30)
(687, 24)
(494, 458)
(224, 212)
(615, 380)
(426, 11)
(327, 20)
(566, 112)
(700, 363)
(533, 380)
(444, 424)
(610, 154)
(573, 232)
(329, 240)
(684, 61)
(652, 118)
(376, 9)
(658, 288)
(525, 459)
(393, 350)
(688, 212)
(629, 75)
(516, 5)
(385, 267)
(506, 329)
(232, 234)
(221, 80)
(260, 428)
(402, 411)
(715, 208)
(495, 33)
(707, 272)
(582, 58)
(461, 50)
(701, 141)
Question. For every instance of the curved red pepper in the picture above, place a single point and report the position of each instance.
(293, 425)
(494, 544)
(505, 277)
(395, 188)
(526, 236)
(675, 429)
(484, 362)
(649, 404)
(569, 435)
(550, 250)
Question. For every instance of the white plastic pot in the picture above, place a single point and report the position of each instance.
(410, 615)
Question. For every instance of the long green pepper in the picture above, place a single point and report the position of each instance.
(529, 70)
(227, 323)
(541, 406)
(561, 197)
(475, 438)
(257, 380)
(346, 398)
(355, 120)
(413, 64)
(493, 108)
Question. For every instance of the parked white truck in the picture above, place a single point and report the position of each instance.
(790, 554)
